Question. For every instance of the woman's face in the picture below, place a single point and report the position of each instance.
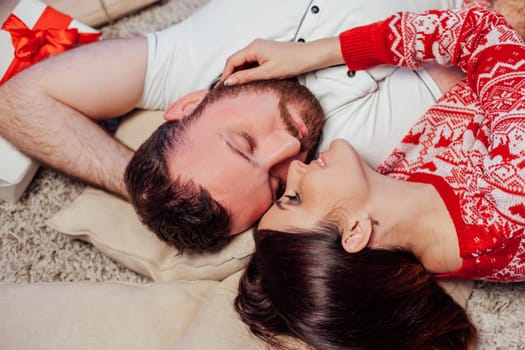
(337, 179)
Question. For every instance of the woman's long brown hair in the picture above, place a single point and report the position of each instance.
(303, 284)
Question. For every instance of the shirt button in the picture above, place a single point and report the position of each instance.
(301, 40)
(350, 73)
(315, 9)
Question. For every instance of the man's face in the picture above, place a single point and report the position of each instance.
(239, 149)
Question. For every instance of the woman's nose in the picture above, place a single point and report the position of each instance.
(295, 172)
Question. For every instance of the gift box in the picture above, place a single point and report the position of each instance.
(97, 12)
(16, 172)
(32, 32)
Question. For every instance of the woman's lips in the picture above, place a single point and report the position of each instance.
(321, 160)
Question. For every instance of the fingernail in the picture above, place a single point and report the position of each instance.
(230, 81)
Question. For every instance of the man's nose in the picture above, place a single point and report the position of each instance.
(280, 148)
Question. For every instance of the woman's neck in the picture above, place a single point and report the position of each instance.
(416, 219)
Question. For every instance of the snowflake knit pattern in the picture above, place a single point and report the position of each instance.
(471, 144)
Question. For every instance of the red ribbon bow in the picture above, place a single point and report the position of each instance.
(50, 36)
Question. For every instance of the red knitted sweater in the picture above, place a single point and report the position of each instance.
(471, 144)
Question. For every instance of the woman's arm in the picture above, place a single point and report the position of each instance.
(267, 59)
(474, 40)
(485, 162)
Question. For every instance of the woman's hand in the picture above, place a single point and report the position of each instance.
(514, 12)
(266, 59)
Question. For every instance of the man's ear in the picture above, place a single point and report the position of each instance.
(357, 236)
(184, 105)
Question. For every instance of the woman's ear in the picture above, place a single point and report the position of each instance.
(184, 105)
(356, 237)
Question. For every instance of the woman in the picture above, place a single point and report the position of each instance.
(344, 259)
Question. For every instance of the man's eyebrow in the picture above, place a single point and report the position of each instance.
(249, 139)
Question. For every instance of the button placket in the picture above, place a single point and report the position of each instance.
(310, 21)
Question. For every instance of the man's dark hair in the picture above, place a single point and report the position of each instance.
(183, 213)
(178, 211)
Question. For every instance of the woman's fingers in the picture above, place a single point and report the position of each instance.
(236, 61)
(266, 59)
(249, 74)
(262, 59)
(243, 59)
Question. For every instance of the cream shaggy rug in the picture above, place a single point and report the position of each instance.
(31, 252)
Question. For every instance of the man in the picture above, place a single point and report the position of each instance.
(49, 110)
(222, 132)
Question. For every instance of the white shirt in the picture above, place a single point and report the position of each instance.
(372, 109)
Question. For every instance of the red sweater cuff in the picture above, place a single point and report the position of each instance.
(362, 46)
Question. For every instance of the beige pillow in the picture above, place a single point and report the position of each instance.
(181, 315)
(112, 226)
(88, 316)
(217, 325)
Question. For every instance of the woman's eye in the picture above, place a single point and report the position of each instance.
(291, 199)
(295, 198)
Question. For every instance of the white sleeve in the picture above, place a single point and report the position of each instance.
(190, 55)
